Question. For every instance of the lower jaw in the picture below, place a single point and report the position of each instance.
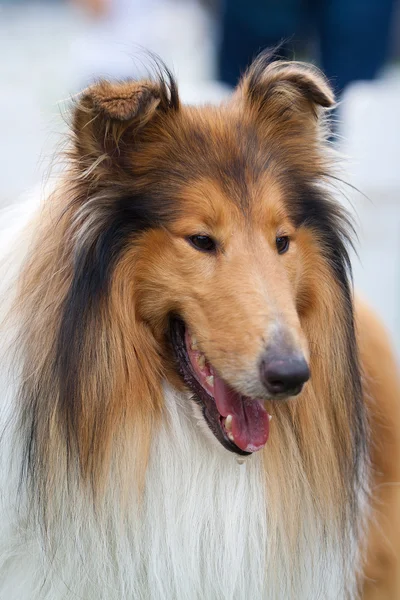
(204, 400)
(217, 429)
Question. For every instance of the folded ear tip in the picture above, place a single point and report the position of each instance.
(320, 89)
(120, 101)
(324, 96)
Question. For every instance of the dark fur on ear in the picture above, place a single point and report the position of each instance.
(281, 87)
(106, 113)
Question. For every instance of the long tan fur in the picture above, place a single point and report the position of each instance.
(382, 385)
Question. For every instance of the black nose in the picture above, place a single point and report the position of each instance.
(284, 374)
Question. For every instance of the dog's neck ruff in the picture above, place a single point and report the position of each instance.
(204, 532)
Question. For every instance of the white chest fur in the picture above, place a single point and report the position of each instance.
(203, 533)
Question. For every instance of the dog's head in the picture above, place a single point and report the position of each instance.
(197, 245)
(214, 222)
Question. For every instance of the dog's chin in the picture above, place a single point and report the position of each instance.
(239, 423)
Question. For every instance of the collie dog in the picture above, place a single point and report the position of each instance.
(184, 412)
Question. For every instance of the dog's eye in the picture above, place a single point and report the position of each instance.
(282, 244)
(203, 242)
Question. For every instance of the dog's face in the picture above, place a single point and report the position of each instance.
(223, 225)
(220, 284)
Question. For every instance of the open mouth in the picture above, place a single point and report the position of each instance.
(240, 424)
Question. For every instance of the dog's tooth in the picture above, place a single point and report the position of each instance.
(201, 361)
(270, 417)
(228, 423)
(210, 380)
(193, 343)
(230, 436)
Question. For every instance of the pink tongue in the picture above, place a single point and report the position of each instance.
(250, 420)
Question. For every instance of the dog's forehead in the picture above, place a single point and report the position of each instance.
(225, 142)
(208, 200)
(218, 153)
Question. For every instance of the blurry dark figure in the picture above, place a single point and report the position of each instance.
(351, 35)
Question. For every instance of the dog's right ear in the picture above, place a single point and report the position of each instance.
(108, 116)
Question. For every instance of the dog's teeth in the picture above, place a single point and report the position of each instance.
(210, 380)
(228, 423)
(193, 343)
(201, 361)
(270, 417)
(230, 436)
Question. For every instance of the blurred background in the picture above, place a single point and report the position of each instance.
(49, 50)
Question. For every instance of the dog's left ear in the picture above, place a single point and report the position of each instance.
(285, 90)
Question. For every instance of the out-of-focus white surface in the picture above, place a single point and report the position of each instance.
(179, 31)
(370, 114)
(49, 51)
